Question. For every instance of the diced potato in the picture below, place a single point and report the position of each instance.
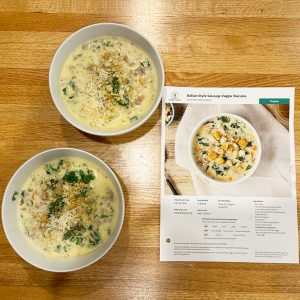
(224, 146)
(229, 163)
(237, 166)
(213, 156)
(142, 81)
(242, 143)
(230, 148)
(235, 145)
(220, 160)
(220, 151)
(210, 138)
(217, 135)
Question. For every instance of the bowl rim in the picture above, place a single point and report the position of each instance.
(5, 200)
(218, 182)
(76, 123)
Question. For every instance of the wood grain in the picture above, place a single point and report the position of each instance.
(202, 43)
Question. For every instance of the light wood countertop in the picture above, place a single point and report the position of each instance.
(208, 43)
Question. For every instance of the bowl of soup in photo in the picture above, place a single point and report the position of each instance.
(224, 149)
(106, 79)
(63, 209)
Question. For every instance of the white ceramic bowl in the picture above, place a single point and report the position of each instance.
(207, 178)
(19, 241)
(88, 33)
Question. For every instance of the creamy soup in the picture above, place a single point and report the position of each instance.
(68, 207)
(108, 83)
(225, 148)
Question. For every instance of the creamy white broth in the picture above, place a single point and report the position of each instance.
(68, 207)
(108, 83)
(225, 148)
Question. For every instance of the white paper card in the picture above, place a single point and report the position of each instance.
(251, 221)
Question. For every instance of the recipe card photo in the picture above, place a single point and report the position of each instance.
(228, 179)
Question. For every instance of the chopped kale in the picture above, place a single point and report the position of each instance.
(203, 142)
(94, 239)
(241, 158)
(145, 63)
(107, 44)
(208, 122)
(248, 167)
(214, 166)
(55, 207)
(224, 119)
(115, 83)
(219, 172)
(124, 102)
(249, 144)
(72, 83)
(75, 234)
(83, 192)
(64, 91)
(234, 125)
(133, 118)
(86, 177)
(50, 168)
(52, 183)
(70, 177)
(80, 175)
(14, 198)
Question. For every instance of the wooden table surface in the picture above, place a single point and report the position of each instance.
(202, 43)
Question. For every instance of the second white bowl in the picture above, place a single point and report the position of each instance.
(17, 238)
(96, 31)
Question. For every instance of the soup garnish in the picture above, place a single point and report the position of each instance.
(108, 83)
(68, 207)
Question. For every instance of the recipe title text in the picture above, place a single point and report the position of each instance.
(215, 96)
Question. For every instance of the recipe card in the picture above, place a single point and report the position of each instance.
(228, 177)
